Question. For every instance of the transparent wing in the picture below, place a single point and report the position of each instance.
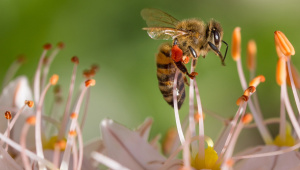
(158, 18)
(161, 33)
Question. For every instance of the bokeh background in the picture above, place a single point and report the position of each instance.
(109, 33)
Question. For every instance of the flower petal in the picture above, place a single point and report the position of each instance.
(129, 148)
(144, 129)
(288, 160)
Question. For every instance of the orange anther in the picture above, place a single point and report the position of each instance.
(284, 44)
(7, 115)
(169, 140)
(95, 67)
(72, 133)
(90, 82)
(197, 116)
(281, 71)
(75, 59)
(241, 99)
(230, 163)
(31, 120)
(61, 144)
(54, 79)
(247, 118)
(47, 46)
(29, 103)
(259, 79)
(251, 55)
(21, 58)
(236, 44)
(73, 115)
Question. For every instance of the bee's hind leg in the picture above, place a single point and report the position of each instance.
(183, 69)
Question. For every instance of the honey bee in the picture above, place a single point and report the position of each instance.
(191, 38)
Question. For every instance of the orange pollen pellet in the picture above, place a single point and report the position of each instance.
(61, 144)
(29, 103)
(75, 60)
(90, 82)
(281, 72)
(236, 44)
(7, 115)
(61, 45)
(255, 82)
(230, 163)
(251, 55)
(284, 44)
(54, 79)
(247, 118)
(72, 133)
(31, 120)
(73, 115)
(47, 46)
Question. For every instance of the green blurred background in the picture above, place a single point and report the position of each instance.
(110, 34)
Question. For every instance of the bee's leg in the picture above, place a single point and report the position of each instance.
(213, 47)
(183, 69)
(186, 81)
(175, 41)
(193, 52)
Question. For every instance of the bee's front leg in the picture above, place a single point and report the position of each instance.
(183, 69)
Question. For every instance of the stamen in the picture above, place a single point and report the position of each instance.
(37, 76)
(295, 75)
(284, 44)
(38, 123)
(13, 68)
(69, 99)
(7, 115)
(177, 119)
(281, 71)
(32, 155)
(191, 110)
(110, 163)
(29, 121)
(251, 55)
(236, 44)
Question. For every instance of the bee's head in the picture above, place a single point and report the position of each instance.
(214, 33)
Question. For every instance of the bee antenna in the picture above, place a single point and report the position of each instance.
(226, 49)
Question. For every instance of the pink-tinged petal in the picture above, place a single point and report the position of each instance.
(129, 148)
(86, 163)
(144, 129)
(7, 162)
(284, 161)
(15, 93)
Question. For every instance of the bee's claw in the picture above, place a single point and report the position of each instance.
(192, 75)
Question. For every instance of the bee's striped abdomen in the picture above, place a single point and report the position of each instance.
(165, 74)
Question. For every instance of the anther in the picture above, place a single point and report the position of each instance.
(61, 144)
(255, 82)
(241, 99)
(284, 44)
(47, 46)
(247, 118)
(281, 73)
(74, 115)
(197, 116)
(95, 67)
(75, 60)
(29, 103)
(251, 55)
(236, 44)
(72, 133)
(57, 89)
(54, 79)
(7, 115)
(21, 58)
(90, 82)
(31, 120)
(230, 163)
(61, 45)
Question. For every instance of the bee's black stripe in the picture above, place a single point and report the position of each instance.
(167, 54)
(164, 77)
(165, 66)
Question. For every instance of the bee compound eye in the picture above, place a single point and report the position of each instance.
(216, 37)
